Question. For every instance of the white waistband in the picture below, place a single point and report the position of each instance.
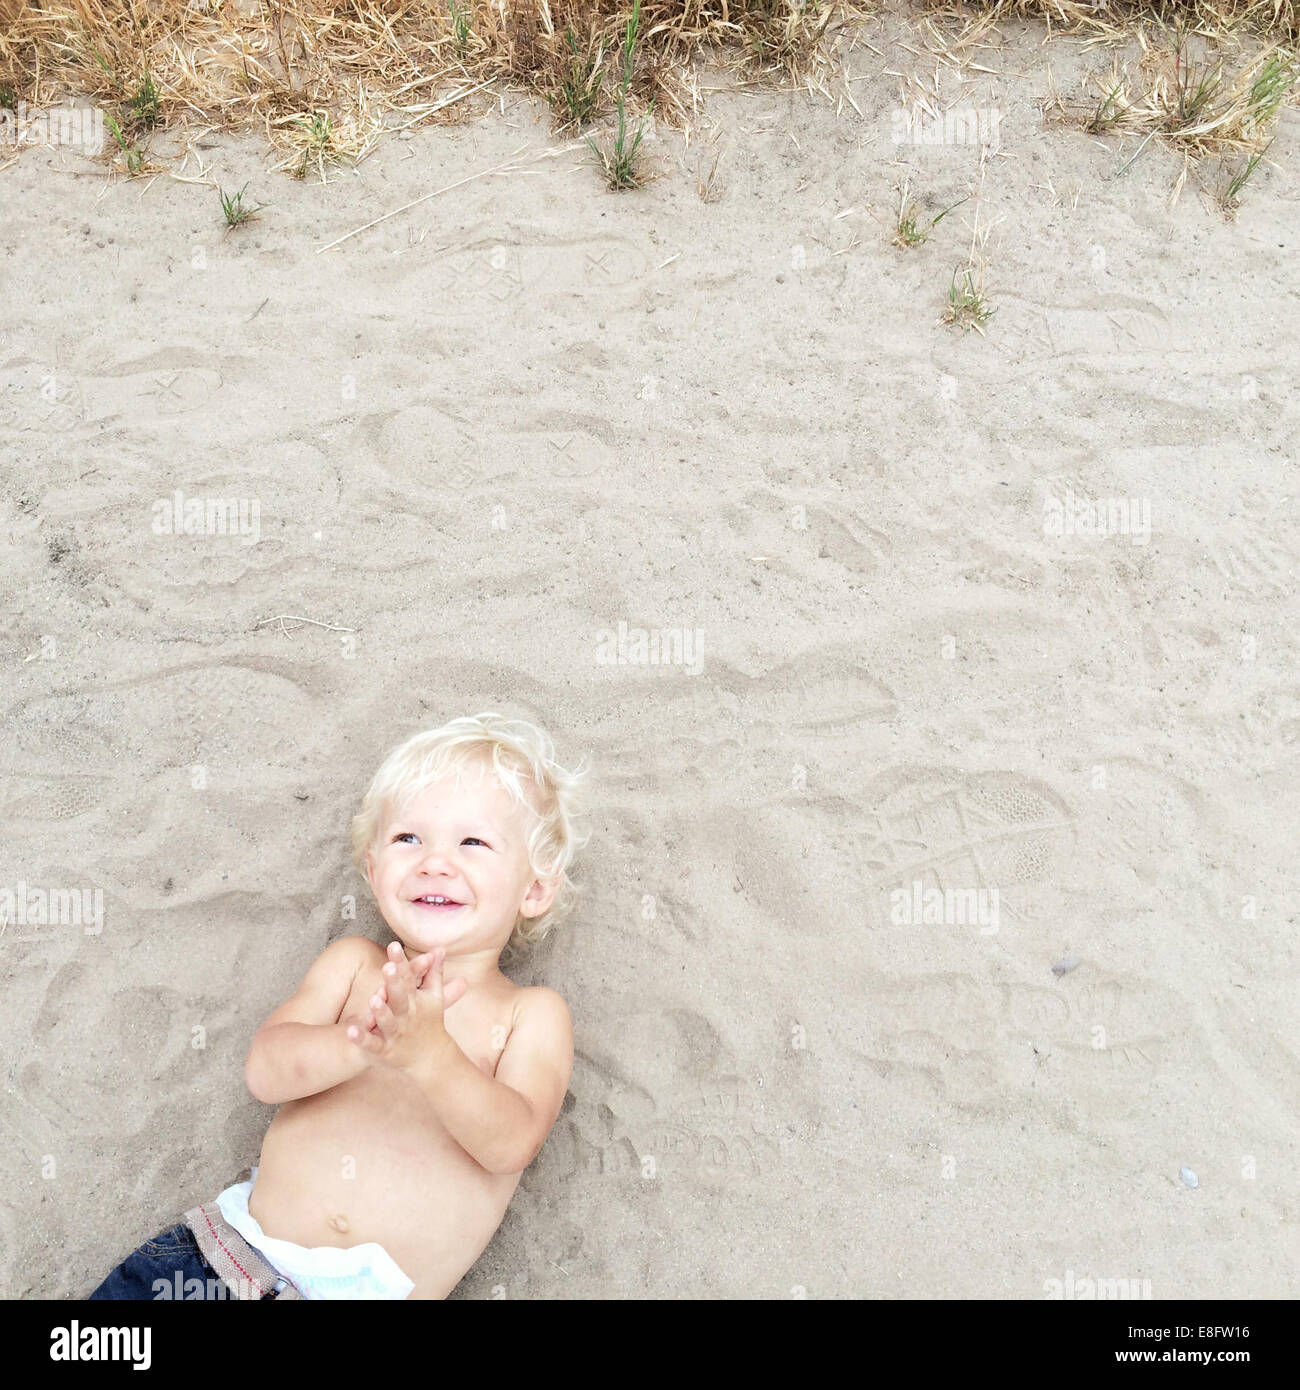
(323, 1271)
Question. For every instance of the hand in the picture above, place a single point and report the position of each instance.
(404, 1023)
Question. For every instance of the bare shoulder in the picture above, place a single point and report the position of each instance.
(541, 1030)
(545, 1009)
(360, 946)
(349, 952)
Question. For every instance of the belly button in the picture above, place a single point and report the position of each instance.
(340, 1224)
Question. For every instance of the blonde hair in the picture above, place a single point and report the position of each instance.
(521, 757)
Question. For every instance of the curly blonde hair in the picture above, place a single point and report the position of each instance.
(521, 759)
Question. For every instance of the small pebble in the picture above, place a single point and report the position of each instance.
(1063, 967)
(1188, 1177)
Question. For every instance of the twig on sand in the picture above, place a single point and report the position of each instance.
(507, 168)
(283, 618)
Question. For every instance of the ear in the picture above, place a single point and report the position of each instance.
(370, 869)
(540, 895)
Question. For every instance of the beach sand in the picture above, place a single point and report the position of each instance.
(487, 432)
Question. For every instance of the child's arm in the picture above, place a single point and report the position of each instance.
(302, 1048)
(502, 1123)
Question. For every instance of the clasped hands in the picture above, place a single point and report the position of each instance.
(404, 1023)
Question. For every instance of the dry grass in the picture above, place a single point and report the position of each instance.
(1115, 20)
(968, 303)
(324, 79)
(370, 65)
(1184, 94)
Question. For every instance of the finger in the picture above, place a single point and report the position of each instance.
(410, 970)
(396, 956)
(433, 975)
(383, 1017)
(386, 1026)
(364, 1039)
(399, 988)
(453, 990)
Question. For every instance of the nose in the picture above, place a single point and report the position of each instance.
(435, 859)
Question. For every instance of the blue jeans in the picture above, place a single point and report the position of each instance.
(168, 1266)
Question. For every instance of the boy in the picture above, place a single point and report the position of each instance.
(415, 1083)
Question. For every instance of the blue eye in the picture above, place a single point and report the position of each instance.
(474, 840)
(403, 835)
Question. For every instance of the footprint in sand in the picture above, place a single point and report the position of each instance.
(488, 278)
(53, 798)
(118, 1041)
(1041, 330)
(1102, 1033)
(606, 264)
(422, 444)
(781, 526)
(177, 392)
(53, 733)
(41, 398)
(558, 452)
(826, 695)
(705, 1133)
(477, 280)
(949, 830)
(169, 717)
(955, 1053)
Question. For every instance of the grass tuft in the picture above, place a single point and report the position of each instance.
(621, 160)
(133, 153)
(1230, 199)
(235, 210)
(909, 232)
(460, 28)
(1191, 104)
(968, 306)
(143, 105)
(316, 140)
(581, 76)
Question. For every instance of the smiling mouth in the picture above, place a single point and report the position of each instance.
(436, 902)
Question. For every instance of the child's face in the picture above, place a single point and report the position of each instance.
(461, 843)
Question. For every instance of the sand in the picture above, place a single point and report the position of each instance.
(486, 433)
